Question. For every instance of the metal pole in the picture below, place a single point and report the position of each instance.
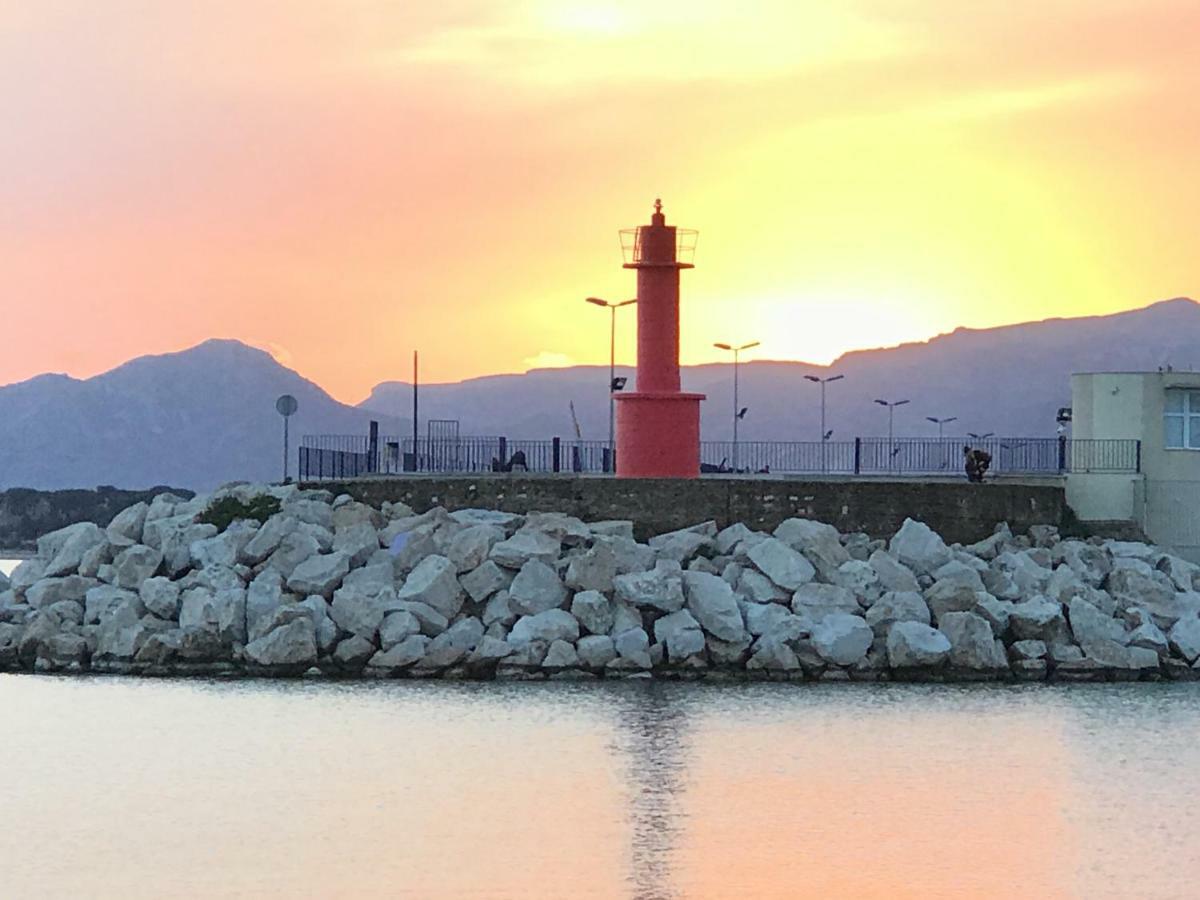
(735, 410)
(285, 449)
(822, 412)
(612, 374)
(416, 457)
(891, 440)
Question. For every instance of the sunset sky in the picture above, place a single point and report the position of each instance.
(340, 182)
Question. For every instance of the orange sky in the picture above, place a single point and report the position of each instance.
(341, 182)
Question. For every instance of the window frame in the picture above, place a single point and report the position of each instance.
(1182, 418)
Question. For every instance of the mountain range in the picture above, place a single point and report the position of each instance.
(206, 415)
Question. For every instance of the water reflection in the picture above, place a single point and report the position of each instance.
(136, 788)
(652, 735)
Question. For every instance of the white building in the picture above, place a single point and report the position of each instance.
(1161, 410)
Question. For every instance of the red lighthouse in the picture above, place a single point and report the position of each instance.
(658, 426)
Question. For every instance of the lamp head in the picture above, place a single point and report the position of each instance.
(596, 301)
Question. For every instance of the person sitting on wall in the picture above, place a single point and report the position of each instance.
(517, 463)
(976, 463)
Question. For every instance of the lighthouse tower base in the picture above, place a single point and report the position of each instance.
(658, 435)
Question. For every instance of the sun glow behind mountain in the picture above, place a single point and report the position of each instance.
(352, 181)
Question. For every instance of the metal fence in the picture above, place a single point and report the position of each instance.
(349, 456)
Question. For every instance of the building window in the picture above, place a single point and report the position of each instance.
(1181, 420)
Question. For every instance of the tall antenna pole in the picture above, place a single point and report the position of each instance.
(416, 456)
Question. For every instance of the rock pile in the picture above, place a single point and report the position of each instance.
(329, 585)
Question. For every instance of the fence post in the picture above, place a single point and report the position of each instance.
(1138, 460)
(1062, 453)
(373, 446)
(503, 452)
(858, 456)
(555, 450)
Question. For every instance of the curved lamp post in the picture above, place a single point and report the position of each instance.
(891, 408)
(738, 412)
(612, 363)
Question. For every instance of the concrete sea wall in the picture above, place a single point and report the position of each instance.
(956, 510)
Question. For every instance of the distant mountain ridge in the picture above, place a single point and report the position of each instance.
(1008, 380)
(194, 418)
(206, 415)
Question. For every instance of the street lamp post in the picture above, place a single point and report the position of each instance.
(822, 382)
(941, 423)
(612, 364)
(737, 412)
(891, 408)
(824, 434)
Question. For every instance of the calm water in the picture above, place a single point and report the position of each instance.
(140, 788)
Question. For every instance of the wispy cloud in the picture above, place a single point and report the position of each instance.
(548, 359)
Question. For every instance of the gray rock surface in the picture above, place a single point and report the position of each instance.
(785, 567)
(711, 601)
(911, 645)
(536, 589)
(292, 646)
(972, 645)
(659, 589)
(434, 582)
(842, 639)
(549, 625)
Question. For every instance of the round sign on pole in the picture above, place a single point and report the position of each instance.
(286, 405)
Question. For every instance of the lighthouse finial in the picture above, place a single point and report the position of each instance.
(658, 204)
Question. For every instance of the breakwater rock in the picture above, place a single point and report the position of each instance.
(318, 584)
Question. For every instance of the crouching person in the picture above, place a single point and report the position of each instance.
(976, 462)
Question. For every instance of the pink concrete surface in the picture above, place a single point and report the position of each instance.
(658, 435)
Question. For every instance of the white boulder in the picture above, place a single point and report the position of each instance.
(919, 547)
(660, 588)
(550, 625)
(594, 611)
(973, 647)
(434, 582)
(842, 639)
(680, 634)
(292, 646)
(711, 600)
(320, 574)
(911, 645)
(783, 565)
(536, 589)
